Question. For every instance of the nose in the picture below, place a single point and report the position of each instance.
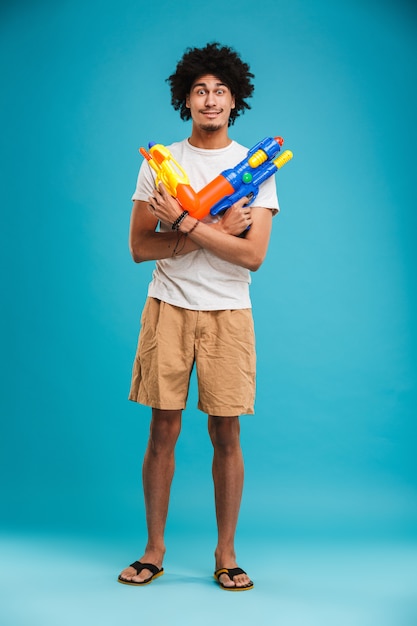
(210, 99)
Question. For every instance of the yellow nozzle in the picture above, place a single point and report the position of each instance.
(283, 159)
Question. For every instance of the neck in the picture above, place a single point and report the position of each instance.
(209, 139)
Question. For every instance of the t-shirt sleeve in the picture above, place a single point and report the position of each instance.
(145, 183)
(267, 196)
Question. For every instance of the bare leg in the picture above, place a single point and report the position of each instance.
(228, 474)
(158, 471)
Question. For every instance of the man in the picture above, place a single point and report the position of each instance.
(198, 308)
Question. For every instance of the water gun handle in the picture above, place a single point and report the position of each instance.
(249, 191)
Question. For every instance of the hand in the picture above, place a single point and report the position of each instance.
(236, 219)
(163, 206)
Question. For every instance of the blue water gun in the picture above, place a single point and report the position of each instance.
(261, 162)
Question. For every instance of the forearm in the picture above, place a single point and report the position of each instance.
(154, 245)
(248, 251)
(148, 244)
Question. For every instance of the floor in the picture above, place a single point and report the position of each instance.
(71, 581)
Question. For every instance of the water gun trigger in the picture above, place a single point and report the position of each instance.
(252, 195)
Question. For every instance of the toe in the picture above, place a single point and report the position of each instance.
(242, 580)
(128, 573)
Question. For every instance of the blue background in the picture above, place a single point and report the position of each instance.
(330, 453)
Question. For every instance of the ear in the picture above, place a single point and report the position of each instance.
(233, 102)
(187, 101)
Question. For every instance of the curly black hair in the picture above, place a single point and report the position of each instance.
(221, 61)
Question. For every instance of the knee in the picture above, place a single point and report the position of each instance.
(224, 433)
(164, 431)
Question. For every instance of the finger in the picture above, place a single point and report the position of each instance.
(162, 190)
(152, 206)
(157, 192)
(241, 203)
(244, 201)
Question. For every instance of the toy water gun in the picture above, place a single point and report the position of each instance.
(261, 162)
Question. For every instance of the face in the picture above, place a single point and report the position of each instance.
(210, 102)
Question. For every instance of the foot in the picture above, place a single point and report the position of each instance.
(231, 580)
(129, 574)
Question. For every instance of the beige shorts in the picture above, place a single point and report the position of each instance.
(220, 343)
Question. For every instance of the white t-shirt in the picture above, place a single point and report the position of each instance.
(200, 280)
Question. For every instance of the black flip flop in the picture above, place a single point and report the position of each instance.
(231, 573)
(138, 566)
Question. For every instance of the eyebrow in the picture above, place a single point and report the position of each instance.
(205, 85)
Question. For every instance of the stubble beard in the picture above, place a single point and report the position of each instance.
(210, 128)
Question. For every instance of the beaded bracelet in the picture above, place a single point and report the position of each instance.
(176, 224)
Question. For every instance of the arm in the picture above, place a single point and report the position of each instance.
(248, 251)
(220, 238)
(148, 244)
